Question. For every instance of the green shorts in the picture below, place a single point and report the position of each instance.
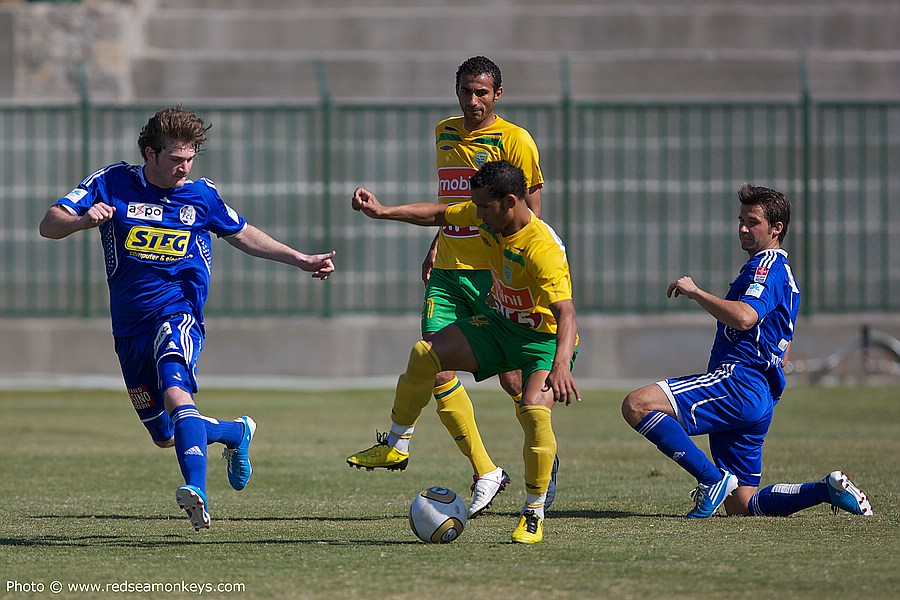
(452, 295)
(500, 345)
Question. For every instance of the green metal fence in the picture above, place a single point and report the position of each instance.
(640, 193)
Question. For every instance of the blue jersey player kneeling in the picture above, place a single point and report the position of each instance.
(155, 227)
(734, 400)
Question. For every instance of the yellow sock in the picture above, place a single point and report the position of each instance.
(414, 386)
(539, 449)
(454, 407)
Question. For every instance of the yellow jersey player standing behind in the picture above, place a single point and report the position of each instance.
(456, 270)
(531, 326)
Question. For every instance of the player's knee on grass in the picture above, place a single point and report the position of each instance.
(738, 503)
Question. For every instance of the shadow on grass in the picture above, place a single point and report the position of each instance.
(165, 540)
(553, 514)
(224, 519)
(592, 514)
(93, 541)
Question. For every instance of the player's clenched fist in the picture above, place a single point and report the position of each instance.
(365, 201)
(683, 286)
(98, 214)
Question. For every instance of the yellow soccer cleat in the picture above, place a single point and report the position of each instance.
(380, 456)
(530, 529)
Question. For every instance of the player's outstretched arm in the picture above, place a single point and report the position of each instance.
(560, 379)
(258, 243)
(732, 313)
(420, 213)
(59, 223)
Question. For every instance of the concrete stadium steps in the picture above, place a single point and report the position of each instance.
(464, 4)
(292, 77)
(534, 29)
(390, 48)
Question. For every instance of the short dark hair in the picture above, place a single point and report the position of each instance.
(500, 178)
(775, 205)
(173, 124)
(480, 65)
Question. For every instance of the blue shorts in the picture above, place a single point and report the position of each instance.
(163, 358)
(734, 407)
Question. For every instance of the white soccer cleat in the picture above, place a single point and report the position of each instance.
(193, 501)
(846, 496)
(485, 489)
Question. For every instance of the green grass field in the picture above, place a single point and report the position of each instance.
(86, 498)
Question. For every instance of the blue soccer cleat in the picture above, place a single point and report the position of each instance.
(846, 496)
(551, 489)
(193, 501)
(708, 498)
(239, 468)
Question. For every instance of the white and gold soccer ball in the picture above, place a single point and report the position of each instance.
(437, 515)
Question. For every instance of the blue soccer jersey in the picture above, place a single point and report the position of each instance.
(767, 284)
(157, 246)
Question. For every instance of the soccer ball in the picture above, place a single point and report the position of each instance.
(437, 515)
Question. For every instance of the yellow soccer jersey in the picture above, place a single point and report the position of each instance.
(529, 268)
(460, 154)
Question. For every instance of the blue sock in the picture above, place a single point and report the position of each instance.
(190, 444)
(783, 499)
(673, 441)
(229, 433)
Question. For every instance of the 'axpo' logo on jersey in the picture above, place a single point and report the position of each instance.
(150, 240)
(144, 211)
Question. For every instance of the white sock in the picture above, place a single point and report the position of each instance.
(535, 503)
(399, 436)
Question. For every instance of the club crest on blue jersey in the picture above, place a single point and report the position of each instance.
(188, 215)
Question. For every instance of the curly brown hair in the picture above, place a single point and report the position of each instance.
(776, 206)
(173, 124)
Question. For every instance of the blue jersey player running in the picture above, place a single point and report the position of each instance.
(155, 227)
(734, 400)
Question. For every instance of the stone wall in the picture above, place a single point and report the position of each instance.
(164, 51)
(616, 351)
